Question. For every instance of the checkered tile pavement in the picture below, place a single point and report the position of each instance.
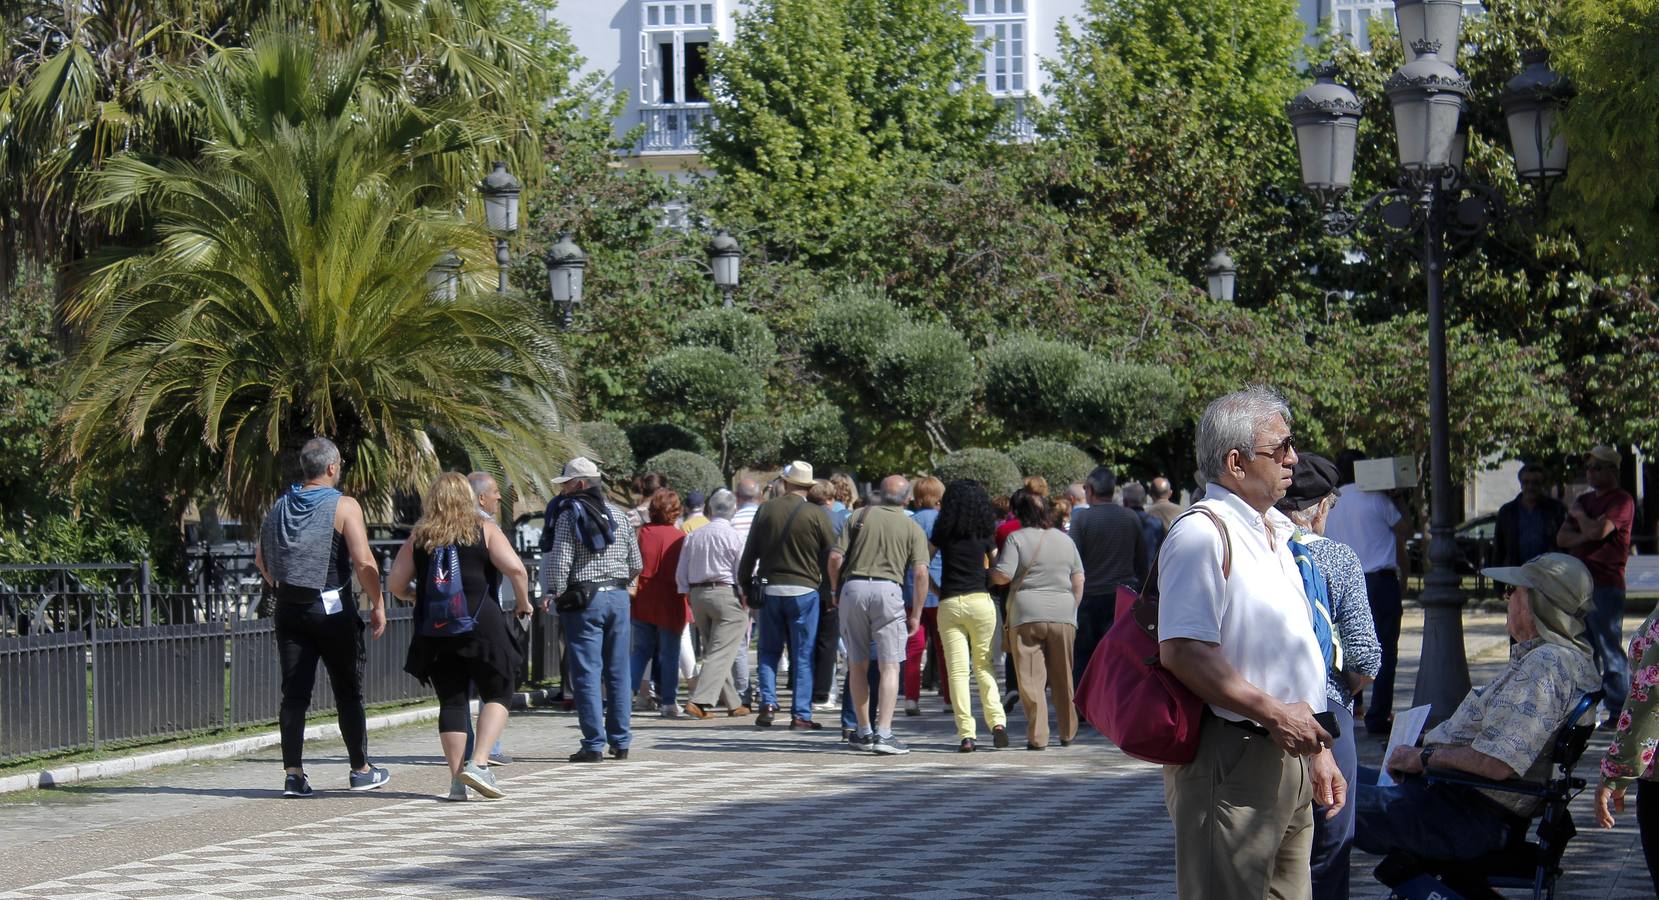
(704, 829)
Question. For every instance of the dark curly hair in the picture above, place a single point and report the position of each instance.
(964, 514)
(1032, 510)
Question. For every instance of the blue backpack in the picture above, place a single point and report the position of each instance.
(444, 607)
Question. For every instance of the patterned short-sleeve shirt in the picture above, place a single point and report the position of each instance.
(1630, 755)
(1515, 718)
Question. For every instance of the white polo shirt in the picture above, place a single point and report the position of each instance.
(1365, 520)
(1258, 616)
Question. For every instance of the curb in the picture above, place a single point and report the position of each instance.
(144, 762)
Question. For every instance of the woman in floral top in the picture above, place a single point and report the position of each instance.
(1630, 756)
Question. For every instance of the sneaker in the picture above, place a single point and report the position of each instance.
(368, 781)
(999, 737)
(967, 745)
(888, 745)
(672, 711)
(861, 741)
(644, 703)
(296, 786)
(481, 780)
(912, 708)
(500, 759)
(585, 755)
(457, 790)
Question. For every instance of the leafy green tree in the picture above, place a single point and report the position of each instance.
(754, 444)
(816, 434)
(711, 386)
(926, 374)
(288, 296)
(686, 471)
(609, 447)
(818, 102)
(733, 331)
(994, 470)
(1061, 464)
(1612, 127)
(652, 439)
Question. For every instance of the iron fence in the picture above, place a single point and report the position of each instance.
(95, 653)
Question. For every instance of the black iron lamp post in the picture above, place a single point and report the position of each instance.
(565, 266)
(1435, 209)
(724, 255)
(1222, 276)
(501, 190)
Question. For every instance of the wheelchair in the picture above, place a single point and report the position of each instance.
(1530, 861)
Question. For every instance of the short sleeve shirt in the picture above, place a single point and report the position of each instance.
(1606, 558)
(889, 544)
(1050, 560)
(1365, 520)
(1514, 718)
(1258, 616)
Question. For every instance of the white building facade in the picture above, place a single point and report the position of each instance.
(656, 53)
(1355, 19)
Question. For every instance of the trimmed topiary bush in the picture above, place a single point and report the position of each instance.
(608, 446)
(816, 435)
(709, 382)
(651, 438)
(990, 468)
(850, 326)
(686, 471)
(1057, 462)
(753, 444)
(739, 333)
(924, 372)
(1126, 398)
(1030, 382)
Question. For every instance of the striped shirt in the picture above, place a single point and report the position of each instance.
(568, 561)
(743, 518)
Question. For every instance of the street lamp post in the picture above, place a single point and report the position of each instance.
(565, 266)
(444, 278)
(724, 255)
(1222, 276)
(501, 190)
(1434, 205)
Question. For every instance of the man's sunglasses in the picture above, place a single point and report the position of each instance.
(1278, 451)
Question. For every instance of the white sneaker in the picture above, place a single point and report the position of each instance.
(643, 703)
(673, 711)
(457, 790)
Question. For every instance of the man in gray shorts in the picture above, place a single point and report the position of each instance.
(877, 546)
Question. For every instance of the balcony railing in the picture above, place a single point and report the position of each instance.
(674, 128)
(1018, 127)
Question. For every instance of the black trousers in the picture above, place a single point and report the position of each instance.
(304, 635)
(824, 653)
(1094, 619)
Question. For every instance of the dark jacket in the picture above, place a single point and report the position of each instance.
(1506, 539)
(792, 559)
(1113, 546)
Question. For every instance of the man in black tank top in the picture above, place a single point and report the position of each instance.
(311, 541)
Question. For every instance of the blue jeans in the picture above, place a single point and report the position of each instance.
(1431, 821)
(797, 619)
(598, 640)
(659, 645)
(1382, 589)
(1606, 627)
(1333, 839)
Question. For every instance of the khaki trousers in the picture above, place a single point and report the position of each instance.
(1243, 814)
(1042, 659)
(723, 623)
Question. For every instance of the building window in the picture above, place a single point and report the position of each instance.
(674, 40)
(1000, 27)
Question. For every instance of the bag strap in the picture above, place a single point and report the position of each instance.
(783, 534)
(857, 526)
(1150, 589)
(1025, 569)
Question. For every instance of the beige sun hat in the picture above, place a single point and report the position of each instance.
(580, 467)
(798, 473)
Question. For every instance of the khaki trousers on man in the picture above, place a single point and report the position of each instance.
(1042, 658)
(1243, 813)
(723, 623)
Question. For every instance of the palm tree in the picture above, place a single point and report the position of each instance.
(286, 294)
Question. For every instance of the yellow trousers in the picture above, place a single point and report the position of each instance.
(967, 625)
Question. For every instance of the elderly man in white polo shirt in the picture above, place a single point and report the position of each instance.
(1244, 642)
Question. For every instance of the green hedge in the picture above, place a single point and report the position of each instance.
(703, 380)
(754, 444)
(924, 372)
(609, 447)
(995, 470)
(816, 435)
(652, 438)
(686, 471)
(736, 332)
(850, 327)
(1059, 463)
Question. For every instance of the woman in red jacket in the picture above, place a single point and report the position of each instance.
(660, 611)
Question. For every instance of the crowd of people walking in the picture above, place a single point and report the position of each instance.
(1279, 607)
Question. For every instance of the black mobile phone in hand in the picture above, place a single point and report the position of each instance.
(1327, 721)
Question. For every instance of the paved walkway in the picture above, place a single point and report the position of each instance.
(705, 809)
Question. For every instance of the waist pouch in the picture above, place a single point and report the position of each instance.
(579, 596)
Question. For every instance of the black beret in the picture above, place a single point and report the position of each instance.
(1313, 479)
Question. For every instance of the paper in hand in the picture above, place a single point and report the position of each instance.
(1407, 726)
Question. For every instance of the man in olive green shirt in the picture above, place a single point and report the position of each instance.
(875, 549)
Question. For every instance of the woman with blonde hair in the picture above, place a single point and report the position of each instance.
(451, 568)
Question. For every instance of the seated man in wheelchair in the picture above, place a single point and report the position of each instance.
(1502, 731)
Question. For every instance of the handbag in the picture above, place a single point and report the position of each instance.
(1126, 694)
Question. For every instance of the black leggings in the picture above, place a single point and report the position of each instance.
(452, 676)
(1647, 820)
(304, 634)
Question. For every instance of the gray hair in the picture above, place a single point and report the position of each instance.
(1134, 494)
(316, 456)
(481, 482)
(1231, 422)
(747, 490)
(722, 504)
(895, 491)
